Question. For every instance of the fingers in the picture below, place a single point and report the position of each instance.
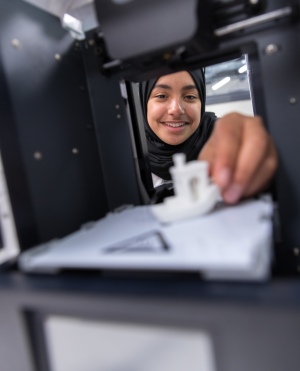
(249, 155)
(228, 136)
(264, 172)
(241, 155)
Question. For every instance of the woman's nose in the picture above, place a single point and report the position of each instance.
(176, 107)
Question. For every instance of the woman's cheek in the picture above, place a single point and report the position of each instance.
(155, 112)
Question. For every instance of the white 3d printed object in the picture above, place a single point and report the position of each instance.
(195, 194)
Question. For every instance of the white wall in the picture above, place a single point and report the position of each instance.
(243, 106)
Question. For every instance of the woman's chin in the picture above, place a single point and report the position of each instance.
(173, 141)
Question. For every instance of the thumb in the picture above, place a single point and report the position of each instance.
(208, 153)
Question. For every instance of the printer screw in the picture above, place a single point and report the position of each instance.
(57, 57)
(293, 100)
(296, 251)
(271, 49)
(15, 43)
(38, 155)
(75, 151)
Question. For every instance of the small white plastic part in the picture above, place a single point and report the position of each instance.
(195, 194)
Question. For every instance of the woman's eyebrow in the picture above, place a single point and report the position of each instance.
(189, 87)
(163, 86)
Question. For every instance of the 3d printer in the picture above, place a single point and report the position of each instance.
(66, 145)
(65, 157)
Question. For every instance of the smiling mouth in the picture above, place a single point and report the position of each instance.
(175, 124)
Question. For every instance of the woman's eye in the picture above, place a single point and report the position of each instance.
(190, 97)
(161, 96)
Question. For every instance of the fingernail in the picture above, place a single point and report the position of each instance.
(223, 177)
(233, 194)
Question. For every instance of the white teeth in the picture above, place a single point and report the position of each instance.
(175, 124)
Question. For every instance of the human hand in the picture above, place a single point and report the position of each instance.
(241, 155)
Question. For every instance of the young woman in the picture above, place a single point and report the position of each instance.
(241, 154)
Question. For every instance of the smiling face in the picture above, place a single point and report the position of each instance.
(174, 108)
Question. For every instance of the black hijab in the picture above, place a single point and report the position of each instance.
(160, 153)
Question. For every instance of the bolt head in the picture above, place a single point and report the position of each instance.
(37, 155)
(271, 49)
(296, 251)
(15, 43)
